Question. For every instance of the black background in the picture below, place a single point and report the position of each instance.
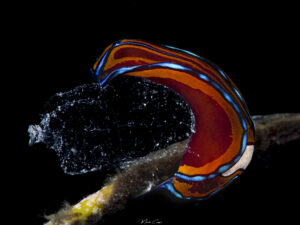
(52, 48)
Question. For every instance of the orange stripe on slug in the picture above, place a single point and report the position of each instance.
(223, 127)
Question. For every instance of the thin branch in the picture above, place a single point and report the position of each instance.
(276, 129)
(145, 173)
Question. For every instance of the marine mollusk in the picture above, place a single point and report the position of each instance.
(222, 145)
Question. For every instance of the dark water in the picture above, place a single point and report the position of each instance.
(53, 49)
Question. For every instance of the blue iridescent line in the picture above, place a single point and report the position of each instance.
(118, 72)
(100, 64)
(104, 58)
(169, 186)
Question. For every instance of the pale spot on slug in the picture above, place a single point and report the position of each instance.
(242, 163)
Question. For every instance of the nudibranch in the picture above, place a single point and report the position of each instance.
(222, 145)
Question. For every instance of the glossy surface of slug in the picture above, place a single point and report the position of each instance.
(222, 144)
